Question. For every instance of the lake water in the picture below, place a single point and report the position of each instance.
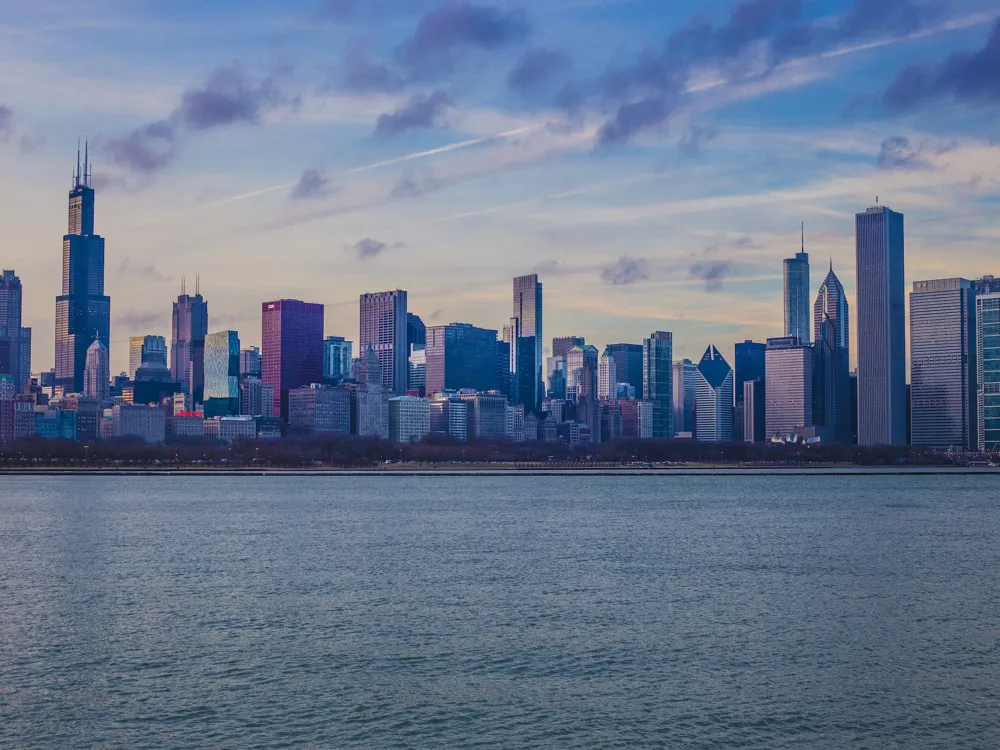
(500, 612)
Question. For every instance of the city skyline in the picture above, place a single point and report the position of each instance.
(727, 176)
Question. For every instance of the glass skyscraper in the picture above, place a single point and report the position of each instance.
(338, 353)
(384, 327)
(988, 370)
(685, 383)
(189, 326)
(831, 362)
(83, 311)
(145, 349)
(222, 373)
(881, 328)
(658, 379)
(528, 313)
(460, 356)
(749, 368)
(628, 364)
(714, 404)
(15, 341)
(796, 279)
(943, 364)
(291, 348)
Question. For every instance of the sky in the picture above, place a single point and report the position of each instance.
(651, 161)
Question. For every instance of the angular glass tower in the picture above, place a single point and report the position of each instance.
(658, 381)
(714, 404)
(881, 328)
(797, 294)
(83, 311)
(831, 374)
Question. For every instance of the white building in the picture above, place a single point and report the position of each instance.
(714, 398)
(607, 377)
(233, 428)
(409, 419)
(96, 373)
(788, 386)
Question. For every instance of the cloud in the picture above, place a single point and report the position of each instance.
(696, 137)
(413, 184)
(369, 248)
(965, 77)
(455, 25)
(626, 271)
(135, 320)
(312, 184)
(145, 271)
(633, 118)
(145, 150)
(6, 122)
(712, 272)
(31, 143)
(360, 74)
(536, 68)
(896, 153)
(548, 266)
(421, 111)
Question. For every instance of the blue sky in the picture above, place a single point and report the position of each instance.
(652, 164)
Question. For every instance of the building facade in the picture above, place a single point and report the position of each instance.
(796, 295)
(83, 310)
(15, 340)
(988, 371)
(320, 408)
(881, 327)
(628, 364)
(222, 373)
(250, 362)
(685, 384)
(657, 381)
(714, 398)
(409, 419)
(607, 375)
(97, 373)
(460, 356)
(292, 348)
(188, 328)
(750, 366)
(789, 386)
(148, 423)
(338, 353)
(384, 328)
(527, 311)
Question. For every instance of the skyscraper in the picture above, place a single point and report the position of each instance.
(881, 328)
(384, 326)
(222, 374)
(292, 348)
(250, 363)
(528, 312)
(15, 341)
(789, 386)
(83, 311)
(943, 364)
(96, 373)
(797, 294)
(714, 404)
(189, 327)
(607, 375)
(685, 396)
(460, 356)
(628, 365)
(145, 349)
(750, 357)
(657, 381)
(337, 356)
(582, 377)
(831, 360)
(988, 371)
(831, 303)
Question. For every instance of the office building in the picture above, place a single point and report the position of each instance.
(320, 408)
(714, 398)
(416, 332)
(372, 411)
(250, 362)
(578, 360)
(292, 348)
(222, 374)
(562, 344)
(796, 278)
(657, 381)
(15, 340)
(749, 363)
(685, 387)
(418, 372)
(555, 366)
(24, 416)
(881, 327)
(449, 416)
(789, 386)
(831, 385)
(831, 304)
(7, 394)
(754, 430)
(384, 328)
(145, 349)
(96, 373)
(988, 371)
(637, 419)
(460, 356)
(338, 353)
(610, 420)
(188, 328)
(607, 375)
(487, 417)
(55, 424)
(252, 398)
(148, 423)
(628, 364)
(528, 314)
(409, 419)
(943, 369)
(232, 428)
(83, 311)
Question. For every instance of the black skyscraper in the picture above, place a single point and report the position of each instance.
(83, 311)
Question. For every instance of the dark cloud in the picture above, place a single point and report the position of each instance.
(145, 150)
(227, 97)
(413, 184)
(146, 271)
(626, 271)
(696, 137)
(312, 184)
(896, 153)
(965, 77)
(369, 248)
(435, 315)
(421, 111)
(536, 69)
(6, 122)
(712, 272)
(455, 25)
(359, 73)
(633, 118)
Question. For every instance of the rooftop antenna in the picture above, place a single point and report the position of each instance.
(183, 285)
(86, 161)
(197, 285)
(803, 236)
(76, 177)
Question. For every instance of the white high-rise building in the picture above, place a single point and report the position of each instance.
(788, 386)
(96, 373)
(714, 401)
(607, 376)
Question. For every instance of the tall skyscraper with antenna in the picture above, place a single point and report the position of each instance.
(187, 341)
(83, 311)
(797, 294)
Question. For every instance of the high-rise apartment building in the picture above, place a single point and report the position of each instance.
(96, 373)
(15, 340)
(943, 389)
(83, 311)
(528, 313)
(988, 371)
(384, 327)
(657, 381)
(789, 386)
(292, 348)
(189, 326)
(320, 408)
(409, 419)
(881, 328)
(555, 366)
(685, 384)
(578, 360)
(222, 374)
(749, 363)
(460, 356)
(714, 400)
(607, 376)
(796, 298)
(628, 364)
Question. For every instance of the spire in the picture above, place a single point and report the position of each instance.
(183, 285)
(76, 175)
(197, 286)
(803, 236)
(831, 264)
(86, 162)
